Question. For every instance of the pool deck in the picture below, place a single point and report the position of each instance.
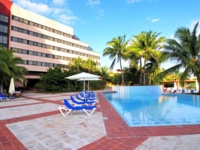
(34, 122)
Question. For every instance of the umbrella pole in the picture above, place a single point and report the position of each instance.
(88, 85)
(84, 86)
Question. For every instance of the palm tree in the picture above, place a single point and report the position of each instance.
(104, 73)
(145, 47)
(115, 50)
(11, 67)
(90, 65)
(76, 64)
(185, 51)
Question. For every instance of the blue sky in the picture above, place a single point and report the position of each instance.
(98, 21)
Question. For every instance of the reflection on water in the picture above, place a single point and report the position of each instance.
(156, 109)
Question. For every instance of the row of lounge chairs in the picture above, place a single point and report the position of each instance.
(2, 97)
(82, 102)
(184, 91)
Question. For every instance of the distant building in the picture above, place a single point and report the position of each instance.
(39, 41)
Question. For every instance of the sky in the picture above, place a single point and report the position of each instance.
(98, 21)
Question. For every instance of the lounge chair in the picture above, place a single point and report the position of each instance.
(88, 96)
(2, 97)
(85, 99)
(65, 110)
(174, 91)
(82, 102)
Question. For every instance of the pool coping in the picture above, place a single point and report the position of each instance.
(117, 129)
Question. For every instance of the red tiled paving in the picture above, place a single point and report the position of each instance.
(119, 134)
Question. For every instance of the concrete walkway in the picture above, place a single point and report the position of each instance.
(34, 122)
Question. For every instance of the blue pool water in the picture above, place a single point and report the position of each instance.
(154, 108)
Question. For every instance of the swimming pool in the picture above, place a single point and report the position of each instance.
(155, 109)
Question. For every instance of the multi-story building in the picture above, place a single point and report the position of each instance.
(39, 41)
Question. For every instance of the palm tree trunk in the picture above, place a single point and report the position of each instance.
(144, 73)
(1, 87)
(140, 72)
(122, 73)
(198, 80)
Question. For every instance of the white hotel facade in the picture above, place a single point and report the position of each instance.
(39, 41)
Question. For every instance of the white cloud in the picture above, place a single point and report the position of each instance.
(155, 20)
(64, 15)
(59, 2)
(67, 19)
(56, 10)
(93, 2)
(97, 17)
(35, 7)
(101, 12)
(133, 1)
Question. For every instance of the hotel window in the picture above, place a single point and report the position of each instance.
(39, 35)
(30, 42)
(3, 28)
(43, 27)
(50, 47)
(39, 44)
(3, 39)
(30, 32)
(35, 63)
(24, 51)
(35, 43)
(35, 34)
(25, 21)
(25, 41)
(21, 20)
(39, 63)
(14, 39)
(25, 62)
(3, 18)
(48, 64)
(31, 23)
(14, 28)
(19, 29)
(30, 52)
(44, 46)
(30, 62)
(39, 54)
(25, 31)
(20, 40)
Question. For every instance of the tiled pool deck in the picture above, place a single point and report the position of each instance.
(34, 122)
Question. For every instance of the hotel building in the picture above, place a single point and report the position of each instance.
(39, 41)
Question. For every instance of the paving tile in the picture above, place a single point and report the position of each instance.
(42, 127)
(19, 111)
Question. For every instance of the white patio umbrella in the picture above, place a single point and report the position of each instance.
(175, 86)
(12, 86)
(82, 76)
(197, 86)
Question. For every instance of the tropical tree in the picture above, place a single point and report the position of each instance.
(11, 67)
(116, 50)
(104, 73)
(76, 64)
(145, 47)
(90, 65)
(184, 50)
